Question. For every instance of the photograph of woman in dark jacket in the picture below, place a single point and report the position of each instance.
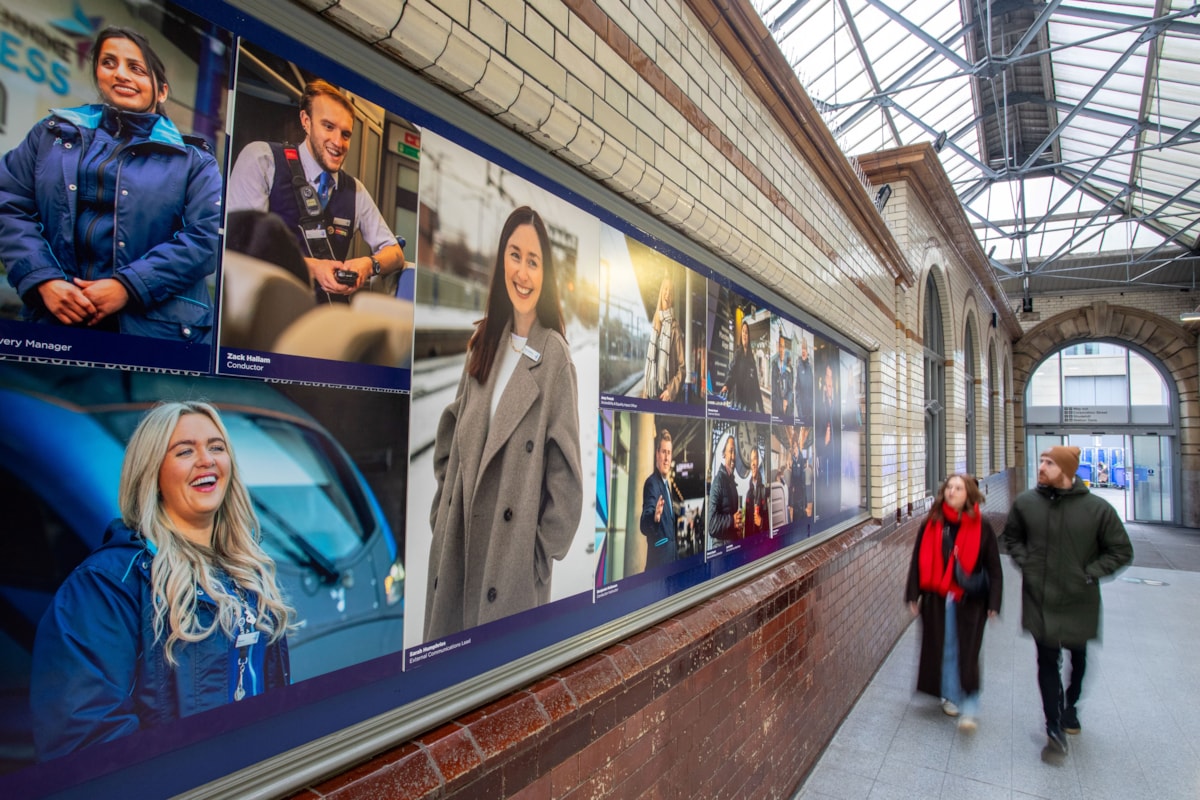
(956, 544)
(177, 612)
(743, 387)
(108, 215)
(507, 452)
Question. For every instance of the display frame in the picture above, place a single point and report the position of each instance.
(323, 731)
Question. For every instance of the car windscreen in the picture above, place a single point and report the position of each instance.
(302, 503)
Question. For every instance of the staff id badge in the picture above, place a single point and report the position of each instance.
(247, 639)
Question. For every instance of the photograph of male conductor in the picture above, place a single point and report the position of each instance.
(262, 180)
(658, 512)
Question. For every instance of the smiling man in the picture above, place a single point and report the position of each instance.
(328, 206)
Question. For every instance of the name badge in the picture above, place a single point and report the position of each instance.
(315, 233)
(341, 222)
(531, 354)
(247, 639)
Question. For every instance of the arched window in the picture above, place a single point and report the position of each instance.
(969, 395)
(935, 389)
(1118, 407)
(994, 457)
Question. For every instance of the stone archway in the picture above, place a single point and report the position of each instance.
(1173, 346)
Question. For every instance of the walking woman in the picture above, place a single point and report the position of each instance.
(108, 215)
(177, 612)
(955, 549)
(507, 456)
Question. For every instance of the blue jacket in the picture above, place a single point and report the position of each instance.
(99, 673)
(168, 213)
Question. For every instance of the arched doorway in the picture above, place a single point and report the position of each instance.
(1116, 406)
(1161, 341)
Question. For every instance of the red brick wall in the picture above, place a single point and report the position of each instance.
(736, 697)
(733, 698)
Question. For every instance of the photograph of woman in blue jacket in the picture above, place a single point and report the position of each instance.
(108, 214)
(507, 453)
(177, 612)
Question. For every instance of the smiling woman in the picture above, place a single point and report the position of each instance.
(128, 76)
(506, 456)
(177, 612)
(70, 189)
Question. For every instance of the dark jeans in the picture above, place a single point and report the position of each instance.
(1049, 658)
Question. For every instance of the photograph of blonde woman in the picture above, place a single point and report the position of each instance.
(665, 365)
(178, 611)
(651, 319)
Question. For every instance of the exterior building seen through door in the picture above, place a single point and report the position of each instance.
(1114, 404)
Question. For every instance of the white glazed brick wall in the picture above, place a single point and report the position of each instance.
(539, 69)
(920, 237)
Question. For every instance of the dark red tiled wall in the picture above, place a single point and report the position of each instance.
(736, 697)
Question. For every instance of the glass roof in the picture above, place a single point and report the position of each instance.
(1071, 132)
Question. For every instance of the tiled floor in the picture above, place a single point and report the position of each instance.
(1140, 711)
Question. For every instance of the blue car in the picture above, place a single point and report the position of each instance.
(62, 440)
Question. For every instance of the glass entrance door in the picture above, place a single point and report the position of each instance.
(1037, 444)
(1152, 478)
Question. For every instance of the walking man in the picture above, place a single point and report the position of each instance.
(1064, 539)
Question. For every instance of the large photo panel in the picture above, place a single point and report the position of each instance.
(503, 442)
(304, 491)
(792, 485)
(650, 505)
(651, 327)
(111, 182)
(321, 204)
(854, 424)
(738, 382)
(739, 498)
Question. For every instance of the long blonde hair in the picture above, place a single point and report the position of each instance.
(179, 567)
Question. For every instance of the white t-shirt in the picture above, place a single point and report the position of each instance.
(505, 366)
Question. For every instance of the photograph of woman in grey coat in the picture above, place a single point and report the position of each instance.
(507, 455)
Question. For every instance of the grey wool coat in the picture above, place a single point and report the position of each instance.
(509, 490)
(1064, 541)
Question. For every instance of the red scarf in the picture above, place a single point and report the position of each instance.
(936, 575)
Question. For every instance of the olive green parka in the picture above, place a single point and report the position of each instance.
(1064, 541)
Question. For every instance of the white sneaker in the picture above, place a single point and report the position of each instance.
(967, 724)
(949, 709)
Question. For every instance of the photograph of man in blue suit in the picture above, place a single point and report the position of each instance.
(658, 512)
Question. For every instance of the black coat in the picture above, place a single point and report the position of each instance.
(971, 618)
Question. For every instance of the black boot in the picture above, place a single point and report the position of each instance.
(1069, 720)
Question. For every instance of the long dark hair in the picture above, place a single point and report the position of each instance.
(158, 71)
(486, 339)
(974, 498)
